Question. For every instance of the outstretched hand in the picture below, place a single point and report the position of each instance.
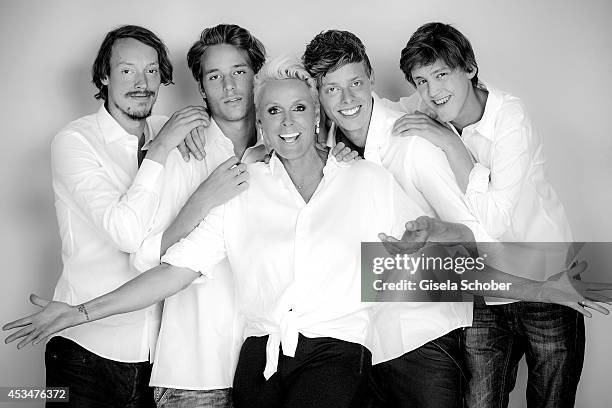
(53, 317)
(423, 230)
(565, 288)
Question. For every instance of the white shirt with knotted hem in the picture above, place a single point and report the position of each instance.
(297, 265)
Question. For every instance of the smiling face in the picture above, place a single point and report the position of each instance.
(448, 92)
(133, 80)
(346, 97)
(227, 82)
(287, 116)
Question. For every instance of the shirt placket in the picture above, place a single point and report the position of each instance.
(289, 320)
(130, 152)
(466, 134)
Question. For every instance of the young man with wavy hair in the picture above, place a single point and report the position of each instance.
(201, 333)
(496, 156)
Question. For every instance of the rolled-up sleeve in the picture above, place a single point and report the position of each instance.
(203, 248)
(492, 193)
(436, 181)
(125, 216)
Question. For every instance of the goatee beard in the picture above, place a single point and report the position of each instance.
(135, 115)
(138, 116)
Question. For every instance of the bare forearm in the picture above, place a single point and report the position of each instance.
(146, 289)
(446, 231)
(460, 163)
(454, 232)
(192, 213)
(517, 288)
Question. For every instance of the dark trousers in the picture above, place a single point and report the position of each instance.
(93, 381)
(325, 372)
(550, 336)
(432, 376)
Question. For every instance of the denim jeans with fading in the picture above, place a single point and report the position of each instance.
(431, 376)
(179, 398)
(550, 336)
(94, 381)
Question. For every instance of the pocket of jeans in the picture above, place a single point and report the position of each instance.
(432, 352)
(55, 353)
(161, 395)
(446, 348)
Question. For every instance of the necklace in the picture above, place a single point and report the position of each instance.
(323, 157)
(305, 185)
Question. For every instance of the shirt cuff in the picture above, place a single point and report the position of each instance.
(148, 173)
(176, 255)
(478, 181)
(148, 254)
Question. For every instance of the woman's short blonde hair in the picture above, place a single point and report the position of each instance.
(283, 67)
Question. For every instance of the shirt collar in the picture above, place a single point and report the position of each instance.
(486, 125)
(215, 132)
(112, 130)
(216, 135)
(377, 131)
(329, 170)
(258, 144)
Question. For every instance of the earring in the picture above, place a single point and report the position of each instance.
(317, 128)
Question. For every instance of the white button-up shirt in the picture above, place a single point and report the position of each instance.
(508, 190)
(105, 206)
(424, 174)
(296, 264)
(200, 334)
(509, 193)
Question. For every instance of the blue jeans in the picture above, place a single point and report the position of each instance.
(432, 376)
(94, 381)
(178, 398)
(550, 336)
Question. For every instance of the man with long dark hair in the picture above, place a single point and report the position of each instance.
(107, 173)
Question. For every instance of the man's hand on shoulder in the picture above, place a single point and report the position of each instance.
(194, 142)
(419, 124)
(343, 153)
(182, 127)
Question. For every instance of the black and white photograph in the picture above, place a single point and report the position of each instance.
(332, 204)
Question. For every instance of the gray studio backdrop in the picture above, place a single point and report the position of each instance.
(555, 55)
